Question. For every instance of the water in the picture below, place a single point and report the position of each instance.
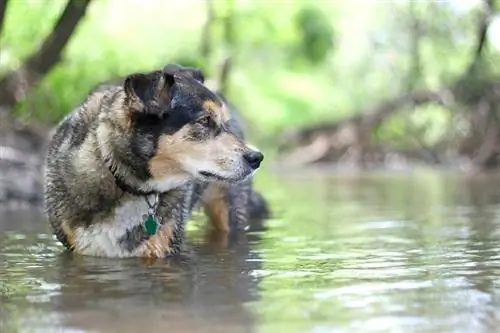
(409, 252)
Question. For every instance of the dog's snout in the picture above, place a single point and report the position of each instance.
(254, 159)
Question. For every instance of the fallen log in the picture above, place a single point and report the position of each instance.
(329, 142)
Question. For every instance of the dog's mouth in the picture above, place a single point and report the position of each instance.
(207, 174)
(215, 177)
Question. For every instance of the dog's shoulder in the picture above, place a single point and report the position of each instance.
(72, 131)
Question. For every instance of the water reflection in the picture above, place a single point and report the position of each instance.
(204, 290)
(415, 252)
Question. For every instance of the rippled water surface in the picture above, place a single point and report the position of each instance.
(409, 252)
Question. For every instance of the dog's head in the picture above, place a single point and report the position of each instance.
(180, 127)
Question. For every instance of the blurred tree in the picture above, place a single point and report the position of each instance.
(315, 34)
(15, 84)
(452, 55)
(3, 9)
(484, 20)
(211, 39)
(207, 32)
(471, 82)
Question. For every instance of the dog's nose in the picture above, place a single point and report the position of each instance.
(254, 159)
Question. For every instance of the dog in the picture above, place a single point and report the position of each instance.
(126, 168)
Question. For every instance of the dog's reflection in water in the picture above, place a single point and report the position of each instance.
(203, 290)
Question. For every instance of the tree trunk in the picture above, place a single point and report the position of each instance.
(229, 40)
(15, 84)
(224, 75)
(206, 34)
(482, 34)
(3, 9)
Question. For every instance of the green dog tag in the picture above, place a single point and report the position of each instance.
(150, 225)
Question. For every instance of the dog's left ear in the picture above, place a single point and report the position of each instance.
(149, 93)
(175, 69)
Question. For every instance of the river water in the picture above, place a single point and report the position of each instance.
(374, 252)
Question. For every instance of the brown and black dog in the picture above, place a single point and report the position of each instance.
(126, 168)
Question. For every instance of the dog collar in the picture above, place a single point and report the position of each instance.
(150, 220)
(122, 185)
(129, 189)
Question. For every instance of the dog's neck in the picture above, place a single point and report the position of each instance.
(127, 182)
(126, 187)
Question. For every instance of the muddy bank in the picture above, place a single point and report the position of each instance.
(22, 151)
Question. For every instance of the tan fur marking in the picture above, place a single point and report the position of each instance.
(216, 207)
(226, 116)
(158, 245)
(173, 149)
(165, 163)
(161, 167)
(216, 239)
(232, 143)
(219, 111)
(68, 232)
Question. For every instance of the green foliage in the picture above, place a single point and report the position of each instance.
(294, 62)
(425, 125)
(315, 33)
(25, 26)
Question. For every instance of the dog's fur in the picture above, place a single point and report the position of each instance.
(164, 133)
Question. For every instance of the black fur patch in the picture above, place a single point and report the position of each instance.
(133, 238)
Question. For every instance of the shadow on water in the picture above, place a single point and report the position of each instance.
(380, 252)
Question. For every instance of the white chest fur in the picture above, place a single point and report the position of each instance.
(102, 239)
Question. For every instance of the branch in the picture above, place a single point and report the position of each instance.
(482, 33)
(489, 142)
(483, 27)
(329, 139)
(15, 84)
(414, 72)
(3, 10)
(50, 51)
(229, 39)
(372, 117)
(206, 37)
(224, 75)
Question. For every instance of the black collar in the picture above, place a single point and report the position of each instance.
(122, 184)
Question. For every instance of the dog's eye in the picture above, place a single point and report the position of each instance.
(205, 121)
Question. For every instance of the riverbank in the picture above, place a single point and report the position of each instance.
(22, 150)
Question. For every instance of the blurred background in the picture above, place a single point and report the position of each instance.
(363, 84)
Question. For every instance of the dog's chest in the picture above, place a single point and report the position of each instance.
(103, 239)
(131, 212)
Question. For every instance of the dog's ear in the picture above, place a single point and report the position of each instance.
(149, 92)
(175, 69)
(196, 73)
